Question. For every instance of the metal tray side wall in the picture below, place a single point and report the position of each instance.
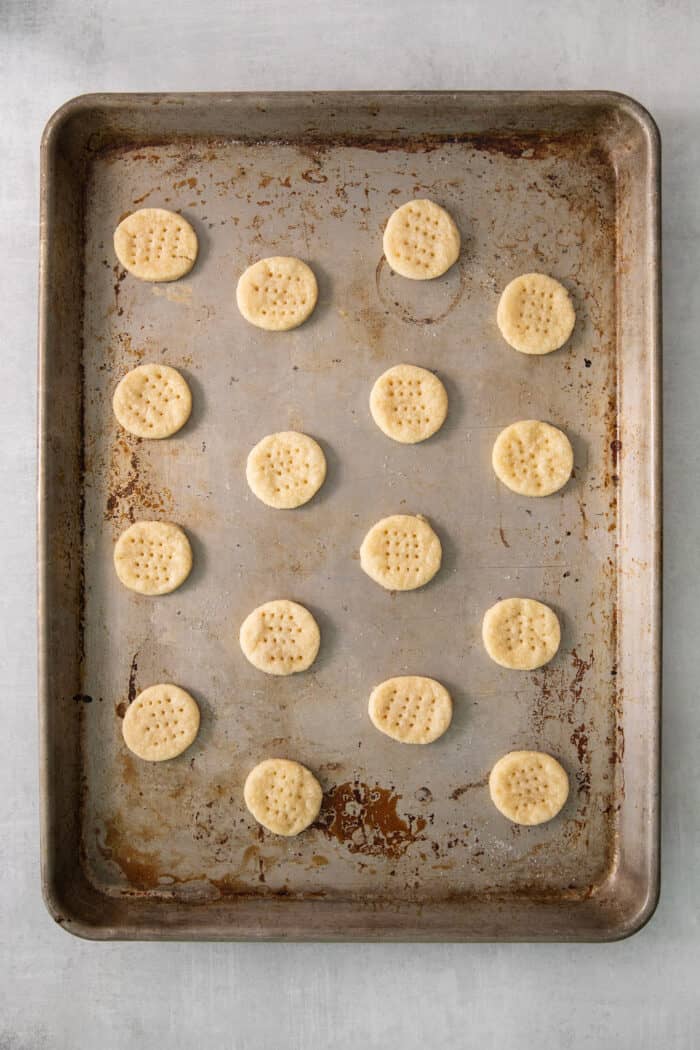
(626, 897)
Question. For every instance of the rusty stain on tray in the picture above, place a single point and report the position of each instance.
(364, 819)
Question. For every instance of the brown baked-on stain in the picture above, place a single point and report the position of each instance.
(133, 670)
(364, 819)
(119, 275)
(558, 697)
(129, 491)
(141, 868)
(463, 788)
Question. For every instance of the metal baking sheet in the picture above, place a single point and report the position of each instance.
(408, 845)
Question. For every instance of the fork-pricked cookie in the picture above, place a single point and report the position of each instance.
(532, 458)
(283, 796)
(286, 470)
(278, 293)
(401, 552)
(421, 240)
(411, 709)
(535, 314)
(528, 787)
(280, 637)
(152, 401)
(521, 633)
(408, 403)
(154, 244)
(153, 557)
(160, 723)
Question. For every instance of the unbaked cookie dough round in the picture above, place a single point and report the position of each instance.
(532, 458)
(528, 787)
(411, 709)
(408, 403)
(535, 314)
(401, 552)
(153, 557)
(421, 240)
(160, 723)
(280, 637)
(278, 293)
(286, 470)
(152, 401)
(155, 244)
(521, 633)
(283, 796)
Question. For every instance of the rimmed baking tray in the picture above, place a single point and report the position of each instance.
(408, 845)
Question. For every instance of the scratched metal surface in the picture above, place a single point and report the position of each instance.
(401, 824)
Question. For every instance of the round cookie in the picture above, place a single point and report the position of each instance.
(283, 796)
(409, 404)
(286, 470)
(401, 552)
(535, 314)
(152, 401)
(421, 240)
(521, 633)
(155, 244)
(160, 723)
(528, 787)
(411, 709)
(532, 458)
(153, 557)
(280, 637)
(278, 293)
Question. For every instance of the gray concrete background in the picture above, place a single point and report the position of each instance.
(57, 992)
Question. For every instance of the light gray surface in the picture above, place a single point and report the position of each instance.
(58, 992)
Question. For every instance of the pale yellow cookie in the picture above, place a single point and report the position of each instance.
(533, 458)
(528, 787)
(283, 796)
(411, 709)
(278, 293)
(521, 633)
(152, 401)
(155, 244)
(160, 723)
(401, 552)
(408, 403)
(421, 240)
(280, 637)
(153, 557)
(535, 314)
(285, 470)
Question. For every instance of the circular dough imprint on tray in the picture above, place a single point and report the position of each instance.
(278, 293)
(160, 723)
(535, 314)
(528, 787)
(280, 637)
(408, 403)
(153, 557)
(401, 552)
(283, 796)
(286, 470)
(411, 709)
(421, 240)
(532, 458)
(521, 633)
(155, 244)
(152, 401)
